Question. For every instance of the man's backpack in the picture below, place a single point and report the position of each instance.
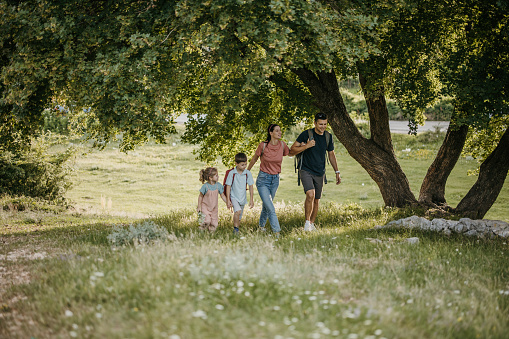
(297, 160)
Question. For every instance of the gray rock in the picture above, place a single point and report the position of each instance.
(467, 226)
(413, 240)
(460, 227)
(438, 224)
(504, 234)
(471, 233)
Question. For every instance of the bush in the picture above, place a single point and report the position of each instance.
(143, 233)
(36, 173)
(22, 203)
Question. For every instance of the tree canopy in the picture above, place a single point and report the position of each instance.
(129, 68)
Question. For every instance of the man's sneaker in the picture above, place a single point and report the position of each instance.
(307, 226)
(312, 227)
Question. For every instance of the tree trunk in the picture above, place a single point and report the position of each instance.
(377, 159)
(433, 185)
(492, 175)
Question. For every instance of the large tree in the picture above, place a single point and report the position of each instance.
(131, 66)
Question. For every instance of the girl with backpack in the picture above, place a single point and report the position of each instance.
(271, 153)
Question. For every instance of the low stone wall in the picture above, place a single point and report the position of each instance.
(466, 226)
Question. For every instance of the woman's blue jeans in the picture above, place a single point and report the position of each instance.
(267, 185)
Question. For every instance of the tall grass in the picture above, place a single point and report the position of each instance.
(331, 283)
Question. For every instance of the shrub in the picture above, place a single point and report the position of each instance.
(35, 172)
(143, 233)
(22, 203)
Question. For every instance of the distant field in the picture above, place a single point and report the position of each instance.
(156, 179)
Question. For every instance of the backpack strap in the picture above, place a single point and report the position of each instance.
(310, 134)
(263, 147)
(327, 140)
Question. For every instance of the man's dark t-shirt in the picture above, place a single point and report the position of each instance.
(313, 159)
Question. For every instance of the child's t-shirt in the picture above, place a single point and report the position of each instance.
(208, 187)
(238, 189)
(270, 161)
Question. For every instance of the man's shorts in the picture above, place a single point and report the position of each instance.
(312, 182)
(237, 207)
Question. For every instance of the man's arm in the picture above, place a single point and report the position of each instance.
(334, 163)
(298, 147)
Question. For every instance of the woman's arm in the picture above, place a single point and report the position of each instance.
(253, 161)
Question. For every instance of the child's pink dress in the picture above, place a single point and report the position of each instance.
(209, 205)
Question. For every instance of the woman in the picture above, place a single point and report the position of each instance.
(271, 152)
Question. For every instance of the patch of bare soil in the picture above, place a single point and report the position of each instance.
(14, 271)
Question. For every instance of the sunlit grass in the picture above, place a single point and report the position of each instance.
(158, 179)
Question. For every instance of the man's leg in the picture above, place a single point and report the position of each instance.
(318, 184)
(309, 205)
(314, 212)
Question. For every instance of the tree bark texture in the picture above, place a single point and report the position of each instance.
(377, 159)
(492, 175)
(433, 185)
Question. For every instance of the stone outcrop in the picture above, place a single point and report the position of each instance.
(466, 226)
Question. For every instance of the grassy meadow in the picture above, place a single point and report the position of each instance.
(60, 277)
(156, 179)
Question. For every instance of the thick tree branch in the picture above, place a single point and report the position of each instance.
(433, 185)
(492, 175)
(378, 114)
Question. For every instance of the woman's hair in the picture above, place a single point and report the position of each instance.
(270, 129)
(206, 173)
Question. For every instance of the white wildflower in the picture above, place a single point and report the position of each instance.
(200, 314)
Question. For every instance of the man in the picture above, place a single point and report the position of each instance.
(312, 166)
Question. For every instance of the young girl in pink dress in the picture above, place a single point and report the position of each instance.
(208, 198)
